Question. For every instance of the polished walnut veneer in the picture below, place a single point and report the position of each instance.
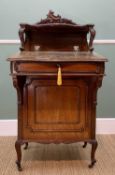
(48, 113)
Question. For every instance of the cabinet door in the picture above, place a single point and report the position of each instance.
(54, 112)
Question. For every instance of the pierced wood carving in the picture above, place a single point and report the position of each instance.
(51, 18)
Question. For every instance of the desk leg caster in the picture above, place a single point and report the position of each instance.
(85, 144)
(18, 166)
(93, 150)
(26, 145)
(92, 164)
(19, 154)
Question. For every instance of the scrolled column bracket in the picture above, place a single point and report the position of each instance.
(92, 36)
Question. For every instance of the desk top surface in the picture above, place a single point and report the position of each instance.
(52, 56)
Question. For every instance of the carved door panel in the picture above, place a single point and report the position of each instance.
(55, 111)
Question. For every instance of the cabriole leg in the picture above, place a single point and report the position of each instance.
(19, 154)
(93, 150)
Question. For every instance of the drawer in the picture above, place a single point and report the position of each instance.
(53, 67)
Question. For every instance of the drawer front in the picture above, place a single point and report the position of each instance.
(53, 67)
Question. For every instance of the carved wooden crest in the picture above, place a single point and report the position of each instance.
(51, 18)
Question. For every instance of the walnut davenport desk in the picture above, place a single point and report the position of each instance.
(57, 76)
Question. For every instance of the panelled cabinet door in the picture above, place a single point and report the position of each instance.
(54, 112)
